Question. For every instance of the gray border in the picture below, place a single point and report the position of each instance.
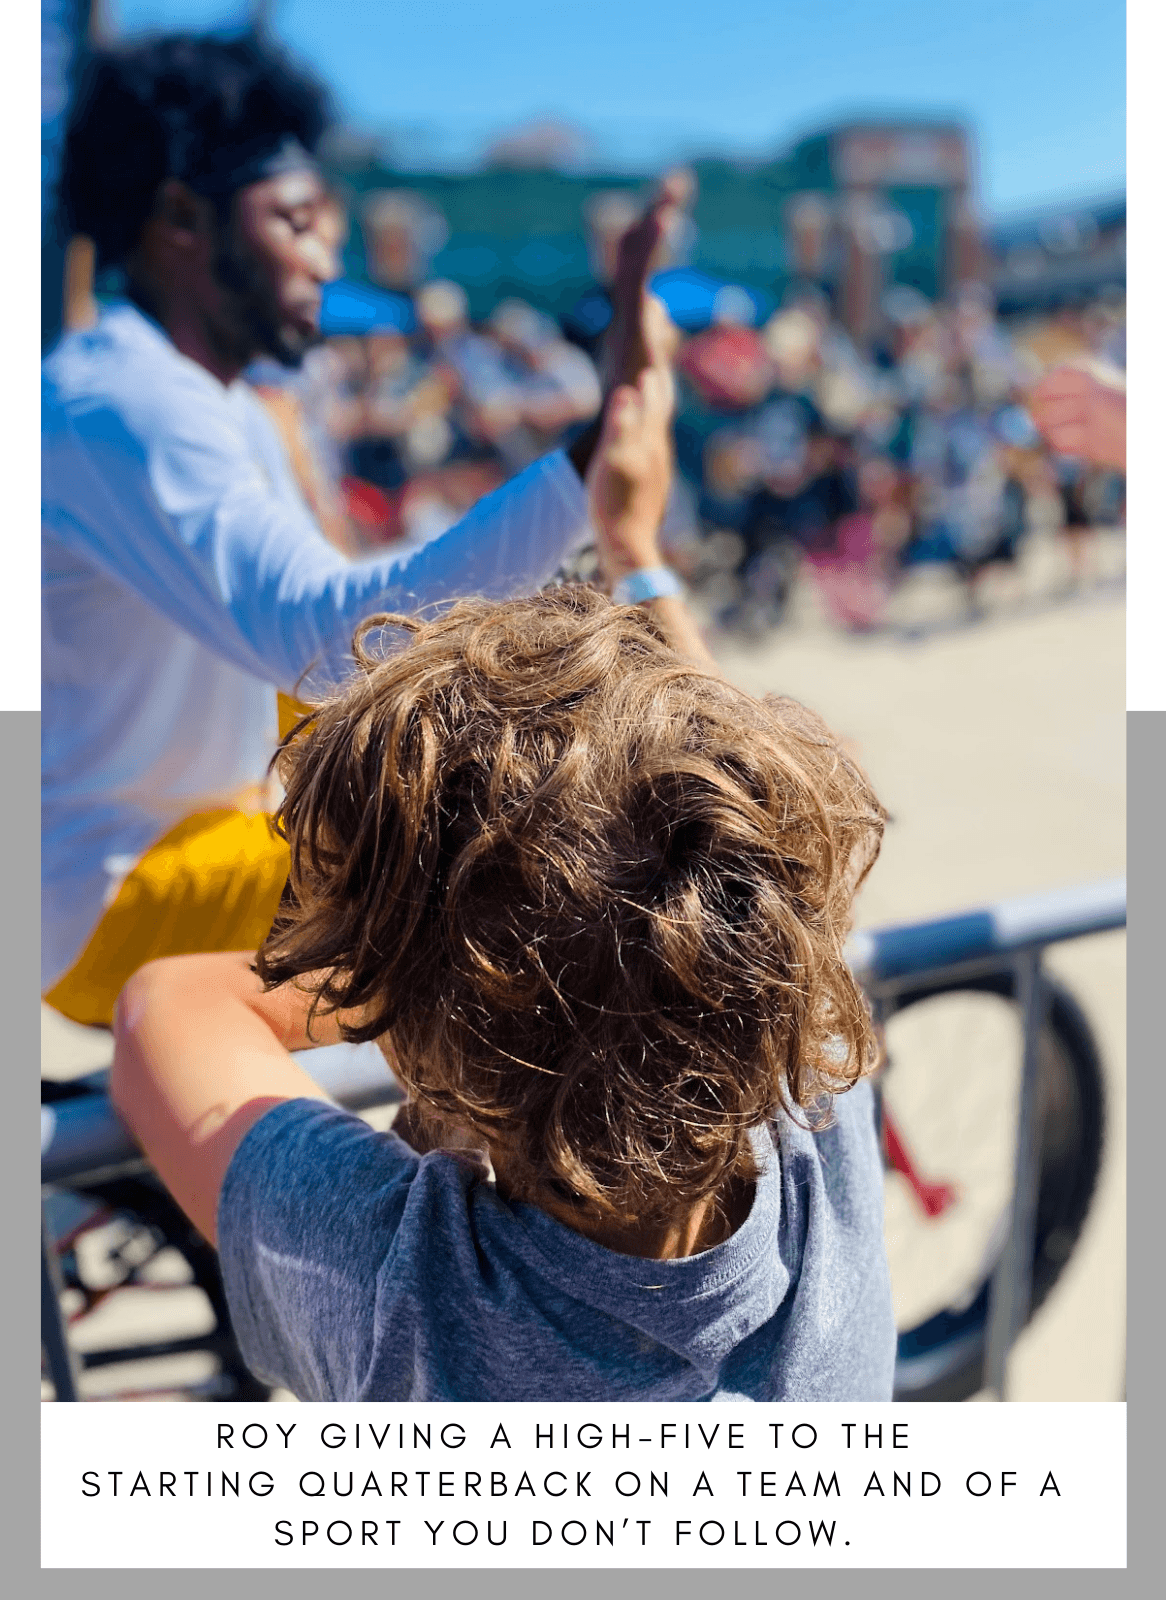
(581, 1584)
(1146, 775)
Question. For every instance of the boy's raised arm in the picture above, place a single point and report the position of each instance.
(200, 1053)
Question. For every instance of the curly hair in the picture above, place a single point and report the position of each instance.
(594, 896)
(166, 107)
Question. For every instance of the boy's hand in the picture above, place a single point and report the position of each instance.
(631, 475)
(1078, 415)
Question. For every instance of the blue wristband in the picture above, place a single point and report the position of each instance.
(646, 583)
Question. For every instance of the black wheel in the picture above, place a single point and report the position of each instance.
(126, 1236)
(949, 1096)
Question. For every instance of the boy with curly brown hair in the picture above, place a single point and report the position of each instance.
(591, 899)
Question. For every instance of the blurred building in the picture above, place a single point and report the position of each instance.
(1043, 260)
(873, 204)
(541, 146)
(855, 208)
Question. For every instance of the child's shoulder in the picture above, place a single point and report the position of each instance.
(842, 1153)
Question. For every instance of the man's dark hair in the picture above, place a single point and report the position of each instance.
(188, 106)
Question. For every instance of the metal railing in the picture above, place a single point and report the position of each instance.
(890, 959)
(1012, 934)
(83, 1141)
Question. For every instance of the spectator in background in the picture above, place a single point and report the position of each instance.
(981, 347)
(558, 383)
(854, 567)
(727, 363)
(402, 231)
(407, 428)
(487, 408)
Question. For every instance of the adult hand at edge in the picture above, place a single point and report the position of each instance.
(1078, 415)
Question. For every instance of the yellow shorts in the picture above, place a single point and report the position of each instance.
(212, 883)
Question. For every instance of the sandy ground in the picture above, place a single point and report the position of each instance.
(999, 750)
(998, 747)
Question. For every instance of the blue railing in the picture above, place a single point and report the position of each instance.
(83, 1139)
(887, 957)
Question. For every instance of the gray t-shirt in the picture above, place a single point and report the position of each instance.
(358, 1270)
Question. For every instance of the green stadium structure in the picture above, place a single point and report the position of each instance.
(856, 208)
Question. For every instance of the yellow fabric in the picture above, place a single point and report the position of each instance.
(290, 712)
(212, 883)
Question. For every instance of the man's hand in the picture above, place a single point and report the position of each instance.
(636, 339)
(629, 481)
(1078, 415)
(631, 474)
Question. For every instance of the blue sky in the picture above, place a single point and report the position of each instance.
(1041, 81)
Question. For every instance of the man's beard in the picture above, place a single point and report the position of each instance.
(256, 328)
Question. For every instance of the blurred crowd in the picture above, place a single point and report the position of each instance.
(797, 450)
(409, 430)
(805, 450)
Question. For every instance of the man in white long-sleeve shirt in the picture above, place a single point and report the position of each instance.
(185, 580)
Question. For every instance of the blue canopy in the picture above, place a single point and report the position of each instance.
(693, 299)
(357, 308)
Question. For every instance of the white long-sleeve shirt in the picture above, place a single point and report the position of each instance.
(184, 579)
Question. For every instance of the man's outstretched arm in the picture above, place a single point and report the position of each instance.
(177, 511)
